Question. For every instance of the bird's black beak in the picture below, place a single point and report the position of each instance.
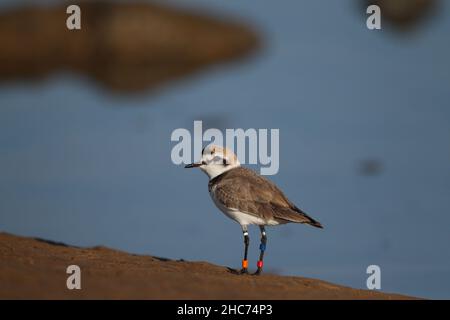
(193, 165)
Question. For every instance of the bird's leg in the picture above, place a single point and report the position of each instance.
(246, 243)
(262, 248)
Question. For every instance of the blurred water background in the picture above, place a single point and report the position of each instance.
(364, 119)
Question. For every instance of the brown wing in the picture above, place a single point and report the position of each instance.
(243, 189)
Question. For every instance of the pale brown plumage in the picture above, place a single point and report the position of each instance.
(243, 189)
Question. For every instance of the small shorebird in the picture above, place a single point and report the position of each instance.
(247, 197)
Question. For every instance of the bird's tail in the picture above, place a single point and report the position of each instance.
(294, 214)
(315, 223)
(307, 219)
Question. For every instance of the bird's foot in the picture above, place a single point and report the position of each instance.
(243, 271)
(238, 272)
(257, 272)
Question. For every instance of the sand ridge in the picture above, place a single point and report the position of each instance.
(36, 269)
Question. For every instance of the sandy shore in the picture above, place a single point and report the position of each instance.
(36, 269)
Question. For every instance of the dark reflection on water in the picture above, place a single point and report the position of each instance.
(126, 46)
(78, 167)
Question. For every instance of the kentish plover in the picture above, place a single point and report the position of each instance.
(247, 197)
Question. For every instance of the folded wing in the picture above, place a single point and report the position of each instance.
(243, 189)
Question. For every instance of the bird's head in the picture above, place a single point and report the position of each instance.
(216, 160)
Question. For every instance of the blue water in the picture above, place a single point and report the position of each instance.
(87, 167)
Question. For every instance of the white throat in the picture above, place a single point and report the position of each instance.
(214, 170)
